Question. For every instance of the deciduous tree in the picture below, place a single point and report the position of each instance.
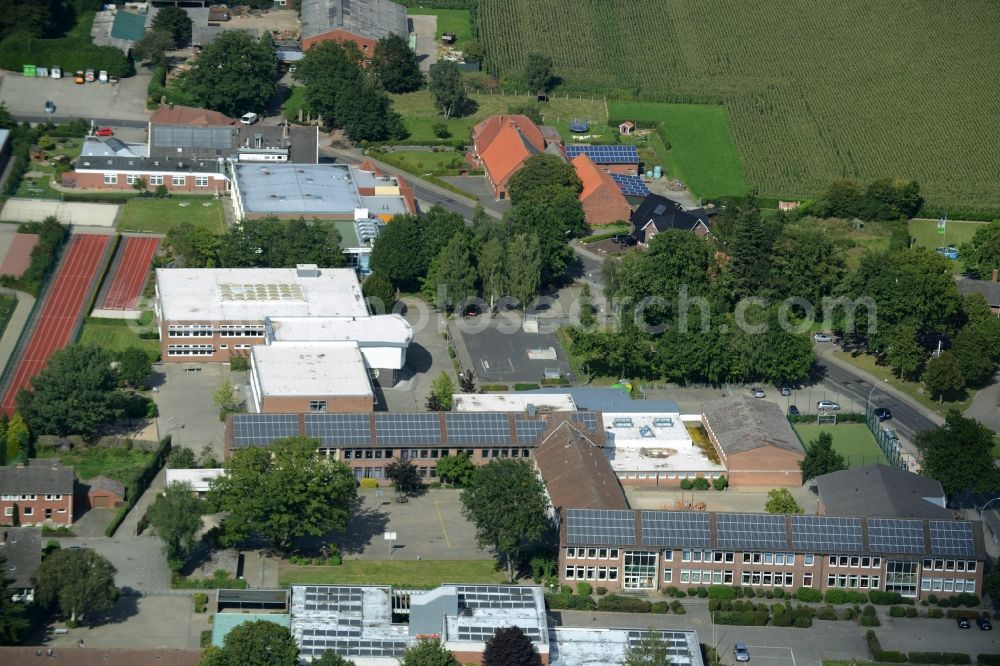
(959, 454)
(176, 24)
(429, 652)
(17, 437)
(510, 647)
(76, 393)
(379, 292)
(134, 367)
(539, 175)
(467, 381)
(235, 74)
(396, 254)
(12, 617)
(780, 500)
(974, 350)
(806, 263)
(538, 72)
(491, 270)
(820, 458)
(447, 89)
(442, 389)
(396, 66)
(258, 643)
(903, 353)
(153, 48)
(175, 517)
(943, 376)
(79, 583)
(456, 273)
(524, 268)
(982, 254)
(404, 476)
(456, 469)
(282, 492)
(507, 503)
(331, 658)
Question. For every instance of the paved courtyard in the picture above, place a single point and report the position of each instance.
(141, 622)
(426, 358)
(125, 100)
(79, 214)
(184, 396)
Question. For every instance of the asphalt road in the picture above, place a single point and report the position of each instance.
(906, 419)
(45, 118)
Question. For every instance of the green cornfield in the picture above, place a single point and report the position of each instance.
(814, 90)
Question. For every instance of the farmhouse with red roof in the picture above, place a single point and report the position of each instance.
(502, 144)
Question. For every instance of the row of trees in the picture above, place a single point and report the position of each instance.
(881, 199)
(261, 243)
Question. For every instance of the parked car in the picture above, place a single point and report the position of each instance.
(963, 623)
(741, 652)
(50, 107)
(984, 623)
(758, 392)
(104, 131)
(786, 391)
(79, 77)
(249, 118)
(883, 414)
(472, 310)
(55, 72)
(102, 76)
(823, 337)
(89, 76)
(793, 410)
(625, 240)
(827, 406)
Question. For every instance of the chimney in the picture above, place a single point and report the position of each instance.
(995, 274)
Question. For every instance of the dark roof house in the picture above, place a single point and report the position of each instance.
(21, 549)
(990, 289)
(41, 478)
(657, 214)
(575, 470)
(880, 491)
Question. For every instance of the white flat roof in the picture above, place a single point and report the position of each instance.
(512, 402)
(251, 294)
(308, 369)
(653, 442)
(377, 330)
(198, 479)
(591, 646)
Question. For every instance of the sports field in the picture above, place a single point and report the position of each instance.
(851, 440)
(159, 216)
(814, 91)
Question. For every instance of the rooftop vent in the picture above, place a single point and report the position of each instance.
(307, 270)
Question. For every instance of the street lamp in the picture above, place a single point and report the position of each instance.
(981, 511)
(868, 407)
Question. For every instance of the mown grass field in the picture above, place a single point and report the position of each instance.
(116, 463)
(161, 215)
(116, 335)
(400, 573)
(925, 234)
(852, 440)
(702, 151)
(458, 21)
(814, 91)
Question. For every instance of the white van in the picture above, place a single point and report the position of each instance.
(102, 76)
(249, 118)
(55, 72)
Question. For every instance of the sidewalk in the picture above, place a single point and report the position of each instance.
(18, 320)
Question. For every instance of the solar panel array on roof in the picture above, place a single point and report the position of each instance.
(623, 154)
(630, 186)
(204, 138)
(590, 526)
(825, 533)
(339, 429)
(262, 429)
(408, 428)
(951, 538)
(317, 641)
(677, 528)
(495, 596)
(588, 419)
(529, 430)
(333, 598)
(477, 428)
(890, 535)
(750, 530)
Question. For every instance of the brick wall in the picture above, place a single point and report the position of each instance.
(334, 404)
(223, 348)
(605, 206)
(765, 466)
(366, 44)
(96, 181)
(36, 511)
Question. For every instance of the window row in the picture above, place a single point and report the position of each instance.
(667, 475)
(358, 454)
(8, 511)
(592, 553)
(241, 330)
(864, 562)
(190, 350)
(947, 585)
(852, 580)
(768, 578)
(379, 472)
(716, 577)
(591, 573)
(774, 558)
(176, 181)
(190, 331)
(949, 565)
(701, 556)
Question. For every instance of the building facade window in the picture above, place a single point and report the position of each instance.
(156, 180)
(110, 179)
(189, 331)
(317, 405)
(131, 178)
(178, 181)
(201, 181)
(640, 570)
(190, 350)
(901, 577)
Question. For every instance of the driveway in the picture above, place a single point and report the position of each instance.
(425, 28)
(140, 561)
(478, 187)
(426, 358)
(985, 407)
(141, 622)
(125, 100)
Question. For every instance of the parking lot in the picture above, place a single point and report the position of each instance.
(125, 100)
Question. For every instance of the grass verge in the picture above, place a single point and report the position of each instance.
(852, 440)
(867, 363)
(161, 215)
(399, 573)
(116, 335)
(7, 306)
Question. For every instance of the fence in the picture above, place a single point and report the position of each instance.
(889, 444)
(140, 484)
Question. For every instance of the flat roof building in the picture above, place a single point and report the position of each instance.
(293, 377)
(597, 646)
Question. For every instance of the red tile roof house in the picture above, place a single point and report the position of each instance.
(36, 494)
(602, 200)
(502, 144)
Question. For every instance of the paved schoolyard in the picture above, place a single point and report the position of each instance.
(141, 622)
(426, 358)
(183, 393)
(125, 100)
(499, 350)
(80, 214)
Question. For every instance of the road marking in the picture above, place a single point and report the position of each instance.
(441, 518)
(774, 647)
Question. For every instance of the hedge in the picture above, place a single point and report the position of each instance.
(70, 53)
(140, 484)
(844, 597)
(878, 654)
(44, 256)
(756, 618)
(954, 614)
(569, 602)
(618, 604)
(988, 659)
(721, 592)
(939, 658)
(808, 594)
(887, 598)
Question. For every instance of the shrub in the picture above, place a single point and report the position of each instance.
(584, 588)
(988, 659)
(200, 602)
(968, 599)
(701, 483)
(954, 614)
(935, 613)
(659, 607)
(601, 591)
(677, 607)
(826, 613)
(720, 483)
(687, 484)
(569, 602)
(239, 363)
(808, 594)
(566, 590)
(702, 593)
(897, 611)
(779, 593)
(721, 592)
(933, 598)
(526, 387)
(869, 621)
(885, 598)
(619, 604)
(869, 611)
(369, 483)
(750, 618)
(939, 658)
(802, 622)
(682, 593)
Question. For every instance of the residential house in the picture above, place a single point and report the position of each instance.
(990, 290)
(502, 144)
(21, 550)
(602, 200)
(35, 494)
(880, 491)
(657, 214)
(363, 22)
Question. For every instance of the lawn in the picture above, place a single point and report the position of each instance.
(91, 461)
(7, 306)
(867, 363)
(924, 233)
(458, 21)
(420, 116)
(421, 161)
(116, 335)
(295, 101)
(702, 151)
(39, 187)
(421, 574)
(161, 215)
(852, 440)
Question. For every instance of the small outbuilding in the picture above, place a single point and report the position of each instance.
(626, 127)
(105, 493)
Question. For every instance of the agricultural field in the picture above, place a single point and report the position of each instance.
(814, 91)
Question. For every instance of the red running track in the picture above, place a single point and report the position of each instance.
(131, 273)
(60, 312)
